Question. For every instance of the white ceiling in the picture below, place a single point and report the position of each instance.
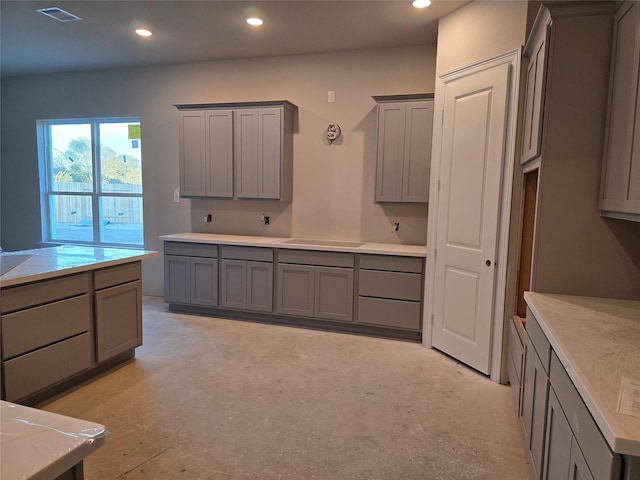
(191, 31)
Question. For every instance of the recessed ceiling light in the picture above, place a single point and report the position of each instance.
(421, 3)
(255, 21)
(143, 32)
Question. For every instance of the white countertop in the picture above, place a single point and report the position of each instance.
(598, 342)
(301, 244)
(43, 263)
(39, 445)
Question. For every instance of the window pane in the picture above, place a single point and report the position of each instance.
(71, 167)
(71, 218)
(121, 220)
(120, 153)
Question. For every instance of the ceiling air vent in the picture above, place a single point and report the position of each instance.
(58, 14)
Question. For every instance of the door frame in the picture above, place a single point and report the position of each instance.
(512, 57)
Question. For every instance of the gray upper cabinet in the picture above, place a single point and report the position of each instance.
(237, 150)
(405, 124)
(620, 185)
(536, 53)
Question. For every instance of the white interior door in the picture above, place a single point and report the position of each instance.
(472, 154)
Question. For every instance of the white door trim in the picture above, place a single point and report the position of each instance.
(512, 57)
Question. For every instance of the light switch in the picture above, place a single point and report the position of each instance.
(176, 195)
(331, 96)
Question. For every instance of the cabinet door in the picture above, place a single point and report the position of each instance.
(578, 469)
(534, 405)
(219, 153)
(204, 281)
(620, 189)
(534, 96)
(246, 153)
(177, 278)
(118, 319)
(334, 293)
(192, 153)
(233, 283)
(557, 451)
(417, 152)
(391, 131)
(269, 152)
(296, 289)
(259, 286)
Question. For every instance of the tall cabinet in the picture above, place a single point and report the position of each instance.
(237, 150)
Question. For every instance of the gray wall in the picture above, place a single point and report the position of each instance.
(333, 184)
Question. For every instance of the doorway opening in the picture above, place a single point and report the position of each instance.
(530, 194)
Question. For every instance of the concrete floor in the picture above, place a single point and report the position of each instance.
(209, 398)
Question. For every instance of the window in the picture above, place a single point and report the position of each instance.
(91, 181)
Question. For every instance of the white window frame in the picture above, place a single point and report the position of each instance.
(45, 159)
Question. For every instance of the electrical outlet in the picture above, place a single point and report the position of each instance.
(176, 195)
(331, 96)
(208, 218)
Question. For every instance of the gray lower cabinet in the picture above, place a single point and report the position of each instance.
(191, 274)
(246, 278)
(390, 291)
(315, 284)
(562, 438)
(47, 334)
(118, 310)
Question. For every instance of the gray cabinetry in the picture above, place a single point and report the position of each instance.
(47, 330)
(246, 278)
(390, 291)
(118, 309)
(560, 434)
(191, 273)
(405, 124)
(315, 284)
(248, 146)
(515, 361)
(620, 186)
(536, 53)
(206, 153)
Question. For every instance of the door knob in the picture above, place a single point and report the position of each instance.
(488, 262)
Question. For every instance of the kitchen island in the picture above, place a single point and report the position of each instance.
(68, 313)
(360, 287)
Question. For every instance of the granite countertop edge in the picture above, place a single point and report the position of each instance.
(279, 242)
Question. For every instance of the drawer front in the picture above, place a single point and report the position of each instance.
(256, 254)
(389, 313)
(395, 285)
(191, 249)
(311, 257)
(539, 340)
(41, 326)
(47, 291)
(516, 349)
(112, 276)
(43, 368)
(392, 263)
(602, 462)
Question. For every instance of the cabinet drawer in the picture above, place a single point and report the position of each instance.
(257, 254)
(45, 367)
(602, 462)
(312, 257)
(112, 276)
(191, 249)
(40, 326)
(392, 263)
(516, 349)
(389, 313)
(47, 291)
(396, 285)
(539, 340)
